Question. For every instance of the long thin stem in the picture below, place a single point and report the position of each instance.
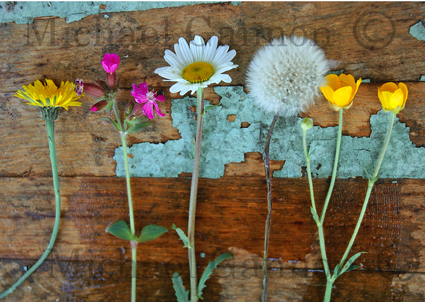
(316, 219)
(369, 190)
(269, 205)
(193, 195)
(50, 126)
(131, 214)
(328, 292)
(331, 186)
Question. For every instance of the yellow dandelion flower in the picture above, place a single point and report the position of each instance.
(49, 95)
(340, 91)
(393, 98)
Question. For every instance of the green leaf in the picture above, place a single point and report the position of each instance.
(151, 232)
(315, 216)
(138, 127)
(192, 154)
(182, 236)
(337, 270)
(112, 122)
(353, 267)
(181, 293)
(121, 230)
(208, 271)
(349, 263)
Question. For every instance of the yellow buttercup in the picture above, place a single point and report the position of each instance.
(393, 98)
(340, 91)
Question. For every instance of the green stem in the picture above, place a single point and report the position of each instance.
(127, 177)
(117, 115)
(318, 223)
(369, 190)
(193, 195)
(50, 126)
(268, 171)
(338, 147)
(133, 270)
(328, 292)
(131, 214)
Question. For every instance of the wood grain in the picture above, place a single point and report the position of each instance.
(368, 40)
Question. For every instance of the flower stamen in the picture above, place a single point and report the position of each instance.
(198, 72)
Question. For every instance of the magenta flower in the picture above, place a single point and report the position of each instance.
(142, 95)
(110, 62)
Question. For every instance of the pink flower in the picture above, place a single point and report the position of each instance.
(142, 95)
(110, 62)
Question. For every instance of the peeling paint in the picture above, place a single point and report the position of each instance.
(23, 12)
(418, 31)
(422, 78)
(226, 142)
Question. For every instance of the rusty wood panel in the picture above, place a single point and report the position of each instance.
(231, 213)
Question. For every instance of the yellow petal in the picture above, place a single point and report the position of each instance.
(347, 80)
(333, 81)
(386, 95)
(342, 97)
(403, 87)
(391, 87)
(359, 81)
(396, 99)
(328, 93)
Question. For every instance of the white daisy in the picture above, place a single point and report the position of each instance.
(197, 65)
(285, 75)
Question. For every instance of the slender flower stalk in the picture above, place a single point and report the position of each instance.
(131, 121)
(268, 171)
(195, 66)
(193, 195)
(283, 78)
(49, 98)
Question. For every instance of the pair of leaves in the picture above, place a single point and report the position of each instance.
(349, 266)
(121, 230)
(132, 129)
(182, 294)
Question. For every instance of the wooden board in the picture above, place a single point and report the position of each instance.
(87, 264)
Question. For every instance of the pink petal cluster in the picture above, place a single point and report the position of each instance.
(142, 95)
(110, 62)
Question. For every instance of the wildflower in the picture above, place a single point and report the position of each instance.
(340, 91)
(142, 95)
(94, 90)
(99, 106)
(110, 62)
(393, 98)
(285, 75)
(49, 95)
(79, 87)
(197, 65)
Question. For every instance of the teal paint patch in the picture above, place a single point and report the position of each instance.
(365, 80)
(422, 79)
(418, 31)
(25, 12)
(225, 142)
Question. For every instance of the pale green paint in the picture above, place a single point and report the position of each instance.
(225, 142)
(24, 12)
(418, 31)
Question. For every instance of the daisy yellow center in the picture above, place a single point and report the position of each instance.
(198, 72)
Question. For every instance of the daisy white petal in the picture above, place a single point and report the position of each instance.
(197, 64)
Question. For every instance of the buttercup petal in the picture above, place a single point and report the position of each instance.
(328, 93)
(391, 87)
(347, 80)
(333, 81)
(403, 87)
(342, 97)
(396, 99)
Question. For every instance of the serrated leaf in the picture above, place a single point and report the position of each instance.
(181, 293)
(182, 236)
(151, 232)
(315, 216)
(138, 127)
(111, 121)
(121, 230)
(350, 261)
(208, 271)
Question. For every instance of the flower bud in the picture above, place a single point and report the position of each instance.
(94, 90)
(111, 79)
(99, 106)
(306, 123)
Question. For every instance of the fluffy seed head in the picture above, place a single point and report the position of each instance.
(285, 75)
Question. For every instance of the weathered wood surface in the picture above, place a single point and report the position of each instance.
(89, 265)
